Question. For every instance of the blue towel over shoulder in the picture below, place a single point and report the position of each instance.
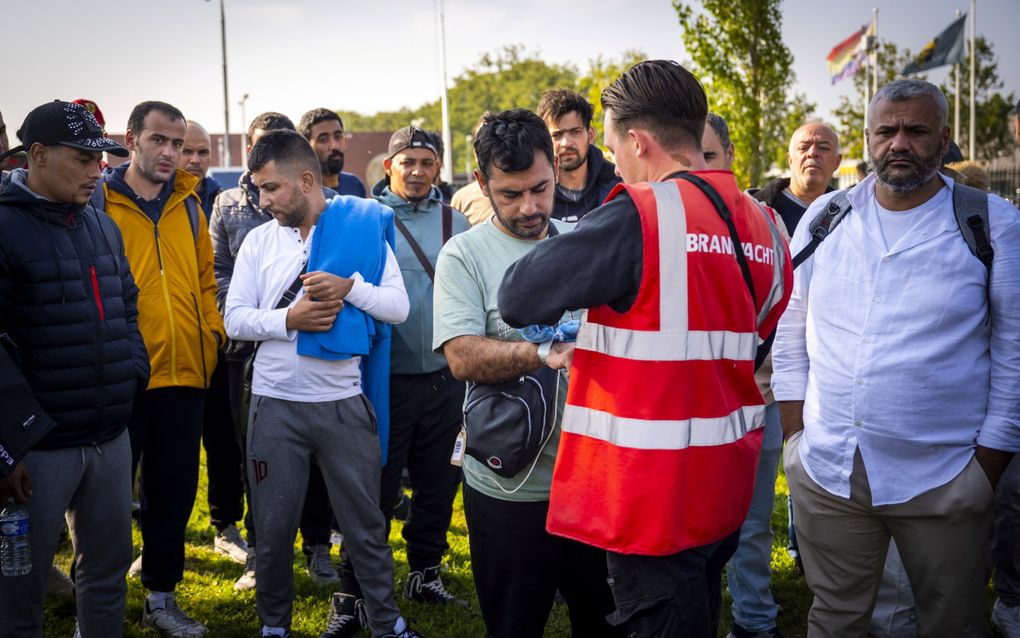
(351, 236)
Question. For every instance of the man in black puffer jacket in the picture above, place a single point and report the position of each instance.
(68, 307)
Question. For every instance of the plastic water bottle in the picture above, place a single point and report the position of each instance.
(15, 544)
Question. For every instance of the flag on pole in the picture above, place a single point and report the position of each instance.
(846, 58)
(948, 47)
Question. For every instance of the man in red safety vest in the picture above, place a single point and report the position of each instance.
(683, 277)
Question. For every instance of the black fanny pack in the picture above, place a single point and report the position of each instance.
(508, 423)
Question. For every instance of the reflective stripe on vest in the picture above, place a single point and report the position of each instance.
(663, 435)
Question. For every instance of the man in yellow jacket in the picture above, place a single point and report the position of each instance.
(167, 243)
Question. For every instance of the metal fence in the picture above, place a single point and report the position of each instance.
(1005, 182)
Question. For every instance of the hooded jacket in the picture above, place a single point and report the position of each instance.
(601, 179)
(68, 301)
(172, 263)
(411, 351)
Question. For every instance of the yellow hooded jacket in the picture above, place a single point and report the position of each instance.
(173, 270)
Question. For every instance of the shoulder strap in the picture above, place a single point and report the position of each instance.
(290, 293)
(970, 205)
(727, 217)
(418, 252)
(191, 205)
(98, 199)
(447, 223)
(823, 224)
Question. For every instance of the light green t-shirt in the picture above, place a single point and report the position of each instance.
(468, 273)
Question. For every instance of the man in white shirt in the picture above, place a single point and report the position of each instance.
(897, 366)
(309, 406)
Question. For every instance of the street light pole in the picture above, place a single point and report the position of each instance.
(226, 99)
(244, 132)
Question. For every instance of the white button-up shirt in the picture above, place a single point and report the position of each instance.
(267, 264)
(892, 351)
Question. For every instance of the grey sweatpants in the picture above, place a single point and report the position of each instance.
(283, 436)
(90, 487)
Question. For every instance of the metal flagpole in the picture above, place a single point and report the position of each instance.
(973, 67)
(874, 75)
(956, 97)
(226, 100)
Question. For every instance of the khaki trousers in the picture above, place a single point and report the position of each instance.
(942, 536)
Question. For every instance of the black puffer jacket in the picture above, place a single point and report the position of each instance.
(68, 301)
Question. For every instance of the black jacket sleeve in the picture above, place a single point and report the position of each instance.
(599, 262)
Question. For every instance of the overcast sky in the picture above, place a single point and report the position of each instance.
(295, 55)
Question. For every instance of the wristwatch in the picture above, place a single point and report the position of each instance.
(543, 351)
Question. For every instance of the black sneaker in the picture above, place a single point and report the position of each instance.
(738, 631)
(427, 587)
(347, 615)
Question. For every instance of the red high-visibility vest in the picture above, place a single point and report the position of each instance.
(664, 422)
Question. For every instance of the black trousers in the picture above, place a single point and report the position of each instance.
(223, 457)
(678, 595)
(166, 431)
(235, 372)
(518, 567)
(426, 411)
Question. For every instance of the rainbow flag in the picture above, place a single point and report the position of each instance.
(846, 57)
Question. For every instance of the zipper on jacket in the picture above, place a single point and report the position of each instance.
(95, 291)
(169, 308)
(201, 341)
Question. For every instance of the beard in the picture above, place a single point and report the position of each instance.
(148, 169)
(333, 164)
(574, 163)
(924, 169)
(295, 213)
(516, 225)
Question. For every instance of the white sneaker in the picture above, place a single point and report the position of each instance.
(135, 571)
(172, 621)
(1006, 619)
(320, 566)
(77, 630)
(230, 544)
(247, 579)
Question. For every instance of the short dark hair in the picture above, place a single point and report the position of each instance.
(317, 116)
(136, 121)
(437, 140)
(508, 141)
(555, 103)
(662, 97)
(270, 121)
(721, 129)
(284, 147)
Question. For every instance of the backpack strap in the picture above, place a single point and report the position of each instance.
(191, 206)
(415, 248)
(447, 223)
(970, 205)
(823, 224)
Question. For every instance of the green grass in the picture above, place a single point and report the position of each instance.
(207, 591)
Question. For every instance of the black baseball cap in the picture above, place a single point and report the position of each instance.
(410, 137)
(68, 124)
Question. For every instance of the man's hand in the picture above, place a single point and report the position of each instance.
(313, 316)
(993, 462)
(16, 485)
(561, 355)
(791, 416)
(324, 286)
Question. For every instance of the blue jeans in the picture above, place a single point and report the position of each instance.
(754, 608)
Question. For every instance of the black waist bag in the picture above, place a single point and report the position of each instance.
(507, 423)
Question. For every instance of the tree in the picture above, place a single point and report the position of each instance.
(601, 73)
(737, 50)
(508, 78)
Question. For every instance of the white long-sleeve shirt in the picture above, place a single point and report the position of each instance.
(267, 264)
(892, 351)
